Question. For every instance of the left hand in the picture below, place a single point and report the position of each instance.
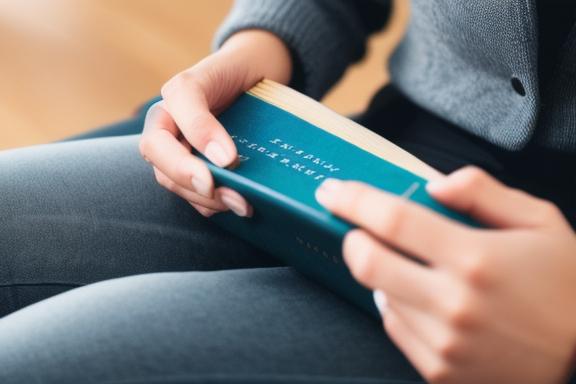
(185, 118)
(488, 305)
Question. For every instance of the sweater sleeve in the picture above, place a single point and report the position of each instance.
(324, 36)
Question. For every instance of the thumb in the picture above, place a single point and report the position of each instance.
(474, 192)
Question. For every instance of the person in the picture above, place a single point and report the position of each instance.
(484, 91)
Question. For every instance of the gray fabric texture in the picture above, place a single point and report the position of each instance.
(162, 295)
(559, 117)
(458, 60)
(255, 325)
(79, 212)
(324, 36)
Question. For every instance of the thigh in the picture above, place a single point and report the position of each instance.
(131, 126)
(79, 212)
(267, 325)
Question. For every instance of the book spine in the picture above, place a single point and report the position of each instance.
(299, 235)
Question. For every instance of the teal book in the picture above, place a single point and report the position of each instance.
(288, 144)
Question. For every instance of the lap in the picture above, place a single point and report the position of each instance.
(250, 325)
(197, 304)
(80, 212)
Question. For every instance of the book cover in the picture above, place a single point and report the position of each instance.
(283, 161)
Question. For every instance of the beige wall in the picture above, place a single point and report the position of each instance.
(67, 66)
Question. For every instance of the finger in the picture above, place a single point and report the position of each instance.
(404, 225)
(157, 118)
(206, 212)
(235, 202)
(376, 266)
(160, 146)
(215, 204)
(443, 338)
(186, 100)
(420, 355)
(433, 291)
(477, 194)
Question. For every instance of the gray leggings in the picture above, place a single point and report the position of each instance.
(105, 277)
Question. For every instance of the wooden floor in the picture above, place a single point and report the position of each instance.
(67, 66)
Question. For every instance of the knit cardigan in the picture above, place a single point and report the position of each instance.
(473, 63)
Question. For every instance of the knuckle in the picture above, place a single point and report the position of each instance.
(547, 211)
(175, 84)
(476, 270)
(461, 312)
(469, 179)
(437, 373)
(449, 348)
(182, 169)
(190, 79)
(392, 222)
(363, 267)
(473, 176)
(143, 148)
(168, 88)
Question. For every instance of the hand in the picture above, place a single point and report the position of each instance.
(185, 118)
(488, 305)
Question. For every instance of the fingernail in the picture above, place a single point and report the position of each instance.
(235, 164)
(216, 154)
(432, 185)
(236, 203)
(435, 184)
(381, 301)
(327, 190)
(201, 187)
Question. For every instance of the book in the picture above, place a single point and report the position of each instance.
(288, 144)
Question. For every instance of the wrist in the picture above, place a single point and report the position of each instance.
(261, 53)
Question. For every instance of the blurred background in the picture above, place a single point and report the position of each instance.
(69, 66)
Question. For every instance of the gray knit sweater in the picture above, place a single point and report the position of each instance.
(474, 63)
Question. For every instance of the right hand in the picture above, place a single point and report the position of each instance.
(185, 120)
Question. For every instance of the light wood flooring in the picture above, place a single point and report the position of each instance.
(67, 66)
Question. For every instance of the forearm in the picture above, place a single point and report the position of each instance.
(261, 53)
(323, 37)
